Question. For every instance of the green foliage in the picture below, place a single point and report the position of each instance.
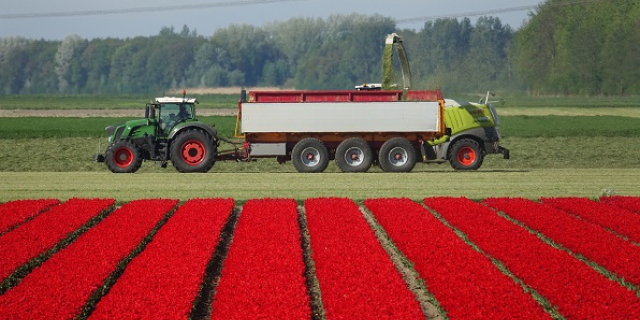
(585, 48)
(335, 53)
(566, 47)
(459, 57)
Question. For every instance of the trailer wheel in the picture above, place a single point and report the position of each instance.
(397, 155)
(193, 151)
(123, 157)
(310, 155)
(354, 155)
(466, 154)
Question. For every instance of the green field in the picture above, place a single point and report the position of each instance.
(510, 126)
(104, 102)
(551, 155)
(242, 186)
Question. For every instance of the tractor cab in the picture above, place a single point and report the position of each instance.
(169, 112)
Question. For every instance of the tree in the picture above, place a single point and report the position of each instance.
(68, 67)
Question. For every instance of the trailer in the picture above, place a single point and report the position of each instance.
(355, 128)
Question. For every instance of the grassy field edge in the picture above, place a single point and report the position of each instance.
(531, 184)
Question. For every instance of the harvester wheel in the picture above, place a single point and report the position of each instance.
(354, 155)
(466, 154)
(123, 157)
(310, 155)
(193, 151)
(397, 155)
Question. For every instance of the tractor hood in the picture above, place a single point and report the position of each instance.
(114, 132)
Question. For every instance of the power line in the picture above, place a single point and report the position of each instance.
(490, 12)
(140, 9)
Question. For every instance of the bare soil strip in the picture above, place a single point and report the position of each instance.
(313, 286)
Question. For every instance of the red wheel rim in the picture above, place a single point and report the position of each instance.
(193, 152)
(467, 156)
(123, 157)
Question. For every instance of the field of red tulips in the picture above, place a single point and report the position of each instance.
(322, 258)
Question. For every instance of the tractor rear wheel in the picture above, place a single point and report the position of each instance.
(466, 154)
(123, 157)
(354, 155)
(310, 155)
(193, 151)
(397, 155)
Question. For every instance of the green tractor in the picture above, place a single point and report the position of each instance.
(169, 131)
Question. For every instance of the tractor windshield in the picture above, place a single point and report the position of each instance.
(173, 113)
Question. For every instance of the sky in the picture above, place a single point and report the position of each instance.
(57, 19)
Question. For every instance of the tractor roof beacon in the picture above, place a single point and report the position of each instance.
(169, 131)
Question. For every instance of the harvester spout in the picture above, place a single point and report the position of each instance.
(394, 41)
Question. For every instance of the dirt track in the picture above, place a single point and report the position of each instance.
(86, 113)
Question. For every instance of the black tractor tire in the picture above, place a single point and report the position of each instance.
(466, 154)
(310, 155)
(123, 156)
(354, 155)
(397, 155)
(193, 151)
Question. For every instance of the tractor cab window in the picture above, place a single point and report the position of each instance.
(173, 113)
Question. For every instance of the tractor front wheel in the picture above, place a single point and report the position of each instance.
(123, 157)
(466, 154)
(193, 151)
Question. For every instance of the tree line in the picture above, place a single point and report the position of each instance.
(588, 48)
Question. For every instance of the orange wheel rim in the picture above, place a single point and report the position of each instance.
(467, 156)
(193, 152)
(123, 157)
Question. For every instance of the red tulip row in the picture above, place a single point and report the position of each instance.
(45, 231)
(356, 276)
(612, 217)
(14, 212)
(578, 291)
(63, 284)
(263, 274)
(172, 266)
(466, 283)
(587, 239)
(629, 203)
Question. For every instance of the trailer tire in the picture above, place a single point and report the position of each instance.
(354, 155)
(193, 151)
(310, 155)
(466, 154)
(123, 157)
(397, 155)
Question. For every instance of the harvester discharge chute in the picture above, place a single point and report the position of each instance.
(394, 41)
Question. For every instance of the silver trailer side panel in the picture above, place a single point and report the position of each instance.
(340, 117)
(268, 149)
